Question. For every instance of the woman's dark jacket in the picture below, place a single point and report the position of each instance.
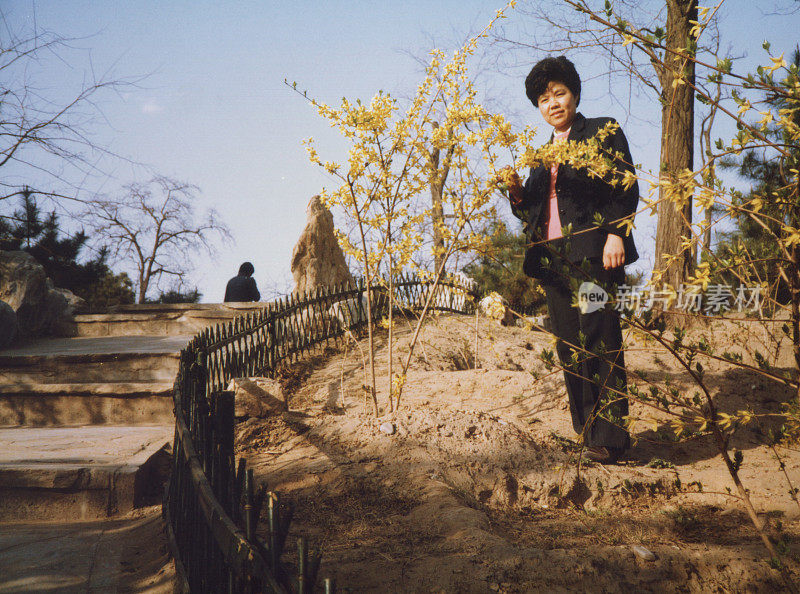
(579, 198)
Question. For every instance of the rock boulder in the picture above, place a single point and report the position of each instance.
(317, 259)
(257, 397)
(39, 307)
(77, 304)
(8, 325)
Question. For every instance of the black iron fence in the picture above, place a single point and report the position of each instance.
(212, 505)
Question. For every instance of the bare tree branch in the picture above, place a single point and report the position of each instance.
(46, 143)
(153, 227)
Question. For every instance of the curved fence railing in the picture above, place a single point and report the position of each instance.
(212, 505)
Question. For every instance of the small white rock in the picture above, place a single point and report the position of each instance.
(643, 553)
(387, 428)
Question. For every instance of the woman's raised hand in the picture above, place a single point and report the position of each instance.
(508, 180)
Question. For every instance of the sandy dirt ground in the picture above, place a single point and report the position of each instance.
(474, 486)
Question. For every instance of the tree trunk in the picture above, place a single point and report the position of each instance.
(438, 178)
(143, 286)
(437, 219)
(677, 142)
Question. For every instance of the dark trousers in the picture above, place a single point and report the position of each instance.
(590, 350)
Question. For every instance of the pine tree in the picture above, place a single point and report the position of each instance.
(500, 270)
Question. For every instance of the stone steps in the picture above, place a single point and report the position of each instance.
(87, 360)
(53, 405)
(159, 319)
(80, 381)
(120, 389)
(82, 423)
(78, 473)
(66, 369)
(86, 427)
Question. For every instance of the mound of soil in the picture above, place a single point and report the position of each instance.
(474, 485)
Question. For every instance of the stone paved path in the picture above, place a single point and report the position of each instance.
(116, 555)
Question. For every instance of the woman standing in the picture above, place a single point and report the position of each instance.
(560, 197)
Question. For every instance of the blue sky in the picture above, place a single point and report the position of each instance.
(210, 106)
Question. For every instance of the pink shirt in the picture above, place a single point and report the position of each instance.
(551, 227)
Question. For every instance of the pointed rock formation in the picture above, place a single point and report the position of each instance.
(317, 259)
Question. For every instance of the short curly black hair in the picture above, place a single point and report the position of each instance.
(246, 269)
(545, 71)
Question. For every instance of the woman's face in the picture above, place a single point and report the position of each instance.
(558, 106)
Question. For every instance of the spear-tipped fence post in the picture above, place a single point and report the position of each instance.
(258, 502)
(206, 453)
(272, 344)
(225, 421)
(274, 526)
(250, 517)
(238, 488)
(302, 565)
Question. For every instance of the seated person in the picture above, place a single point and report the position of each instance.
(242, 287)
